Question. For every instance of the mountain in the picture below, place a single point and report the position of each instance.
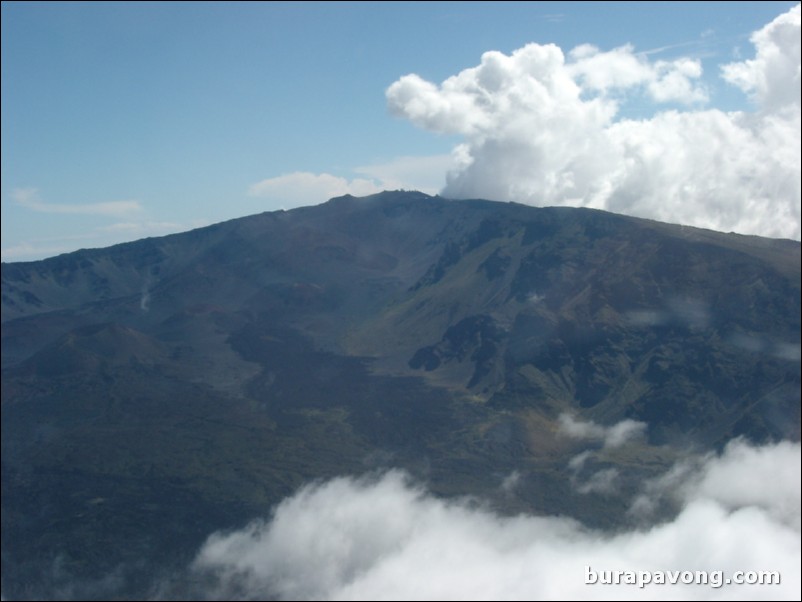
(156, 391)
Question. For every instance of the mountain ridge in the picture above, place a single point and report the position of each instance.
(755, 244)
(228, 365)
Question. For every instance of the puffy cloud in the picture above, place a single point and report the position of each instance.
(604, 481)
(541, 128)
(29, 198)
(673, 81)
(747, 476)
(610, 436)
(385, 538)
(577, 429)
(743, 476)
(772, 78)
(622, 68)
(304, 188)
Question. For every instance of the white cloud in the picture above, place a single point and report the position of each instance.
(747, 476)
(577, 429)
(426, 174)
(772, 78)
(673, 81)
(604, 481)
(743, 476)
(622, 68)
(29, 198)
(624, 431)
(541, 128)
(384, 538)
(303, 188)
(610, 436)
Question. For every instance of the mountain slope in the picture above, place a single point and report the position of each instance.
(156, 391)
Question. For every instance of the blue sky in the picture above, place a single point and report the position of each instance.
(125, 120)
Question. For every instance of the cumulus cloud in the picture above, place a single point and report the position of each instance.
(386, 538)
(541, 127)
(743, 476)
(610, 436)
(622, 68)
(759, 477)
(30, 199)
(772, 78)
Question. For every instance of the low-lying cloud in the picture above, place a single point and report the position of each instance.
(385, 537)
(604, 481)
(137, 224)
(30, 199)
(610, 436)
(541, 127)
(306, 188)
